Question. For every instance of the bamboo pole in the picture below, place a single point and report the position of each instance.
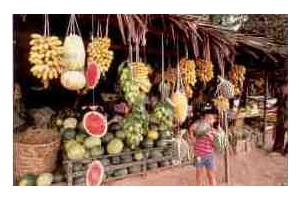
(226, 153)
(265, 107)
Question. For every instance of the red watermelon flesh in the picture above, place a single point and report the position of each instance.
(94, 174)
(92, 75)
(95, 124)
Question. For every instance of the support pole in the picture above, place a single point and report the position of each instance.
(226, 153)
(265, 107)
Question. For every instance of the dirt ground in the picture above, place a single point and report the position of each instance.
(254, 168)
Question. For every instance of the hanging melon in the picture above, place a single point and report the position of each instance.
(95, 124)
(94, 174)
(74, 52)
(92, 75)
(180, 103)
(73, 80)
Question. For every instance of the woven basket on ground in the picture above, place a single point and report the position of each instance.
(35, 151)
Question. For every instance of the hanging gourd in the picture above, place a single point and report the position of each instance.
(179, 100)
(74, 51)
(73, 77)
(73, 80)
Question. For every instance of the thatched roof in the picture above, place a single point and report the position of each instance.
(192, 30)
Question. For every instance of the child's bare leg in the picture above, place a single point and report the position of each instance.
(200, 176)
(211, 170)
(212, 177)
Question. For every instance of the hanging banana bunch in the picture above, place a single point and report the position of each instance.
(45, 55)
(237, 76)
(205, 68)
(187, 71)
(221, 103)
(141, 72)
(98, 51)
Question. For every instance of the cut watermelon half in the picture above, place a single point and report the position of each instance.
(95, 124)
(94, 173)
(92, 75)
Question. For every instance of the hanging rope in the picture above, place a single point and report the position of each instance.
(162, 46)
(107, 26)
(46, 26)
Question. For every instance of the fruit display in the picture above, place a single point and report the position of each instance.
(28, 180)
(163, 115)
(188, 71)
(237, 77)
(73, 80)
(74, 53)
(225, 88)
(44, 179)
(46, 57)
(221, 141)
(95, 124)
(115, 146)
(92, 75)
(140, 72)
(180, 103)
(221, 103)
(94, 174)
(204, 70)
(135, 125)
(98, 52)
(129, 88)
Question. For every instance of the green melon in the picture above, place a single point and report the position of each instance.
(107, 138)
(121, 135)
(115, 146)
(28, 180)
(91, 142)
(115, 160)
(44, 179)
(68, 134)
(120, 172)
(151, 166)
(97, 151)
(135, 169)
(148, 143)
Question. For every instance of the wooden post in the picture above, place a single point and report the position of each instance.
(265, 107)
(226, 153)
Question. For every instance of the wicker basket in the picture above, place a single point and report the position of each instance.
(35, 151)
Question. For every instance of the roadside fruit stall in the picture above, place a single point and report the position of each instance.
(109, 97)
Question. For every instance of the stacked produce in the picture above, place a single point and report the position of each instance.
(163, 116)
(135, 126)
(44, 179)
(45, 55)
(221, 103)
(98, 51)
(204, 70)
(237, 77)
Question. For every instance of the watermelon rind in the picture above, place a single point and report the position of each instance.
(101, 175)
(104, 119)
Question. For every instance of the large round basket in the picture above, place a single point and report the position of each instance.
(35, 151)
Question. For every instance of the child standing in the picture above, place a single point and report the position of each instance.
(204, 150)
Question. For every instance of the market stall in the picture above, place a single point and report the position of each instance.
(103, 97)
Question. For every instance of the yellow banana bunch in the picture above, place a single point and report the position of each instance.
(204, 70)
(45, 55)
(141, 73)
(98, 51)
(187, 70)
(189, 91)
(237, 77)
(221, 103)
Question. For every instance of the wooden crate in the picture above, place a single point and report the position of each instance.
(71, 174)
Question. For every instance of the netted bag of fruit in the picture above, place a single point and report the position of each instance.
(45, 55)
(225, 88)
(74, 51)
